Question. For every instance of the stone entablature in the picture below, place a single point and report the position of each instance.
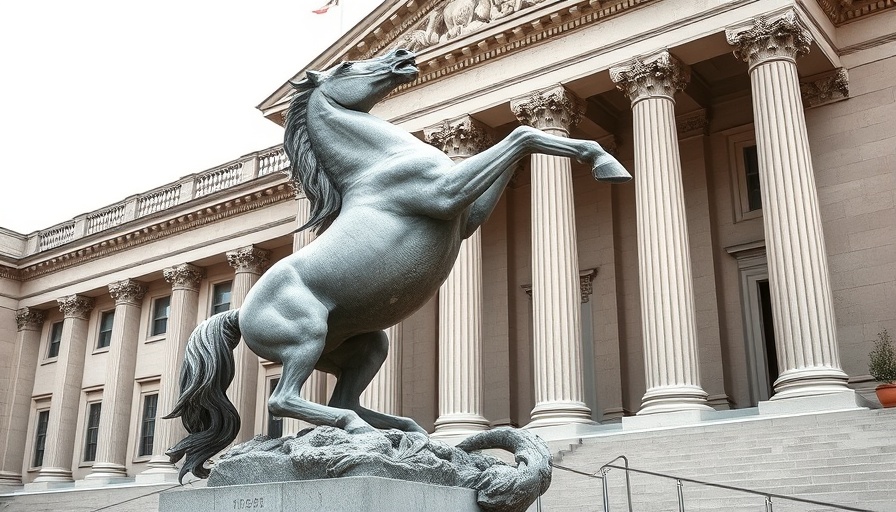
(194, 186)
(845, 11)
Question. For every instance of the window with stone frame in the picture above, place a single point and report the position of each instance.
(744, 171)
(104, 338)
(221, 297)
(91, 433)
(148, 424)
(40, 437)
(55, 340)
(161, 309)
(751, 177)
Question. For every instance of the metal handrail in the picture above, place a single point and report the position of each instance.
(679, 481)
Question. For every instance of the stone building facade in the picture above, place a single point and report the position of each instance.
(750, 264)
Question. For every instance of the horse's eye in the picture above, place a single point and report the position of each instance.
(346, 65)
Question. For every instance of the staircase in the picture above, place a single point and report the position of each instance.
(846, 458)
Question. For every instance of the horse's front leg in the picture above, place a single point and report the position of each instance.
(604, 166)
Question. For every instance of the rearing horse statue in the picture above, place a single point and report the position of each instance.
(391, 212)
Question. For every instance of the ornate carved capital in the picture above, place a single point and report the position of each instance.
(249, 259)
(183, 277)
(551, 109)
(780, 36)
(75, 306)
(586, 278)
(825, 89)
(692, 123)
(127, 292)
(657, 75)
(459, 138)
(30, 319)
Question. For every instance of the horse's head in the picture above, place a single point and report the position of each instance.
(359, 85)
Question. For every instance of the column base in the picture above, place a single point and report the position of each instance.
(459, 425)
(54, 475)
(9, 479)
(548, 414)
(105, 473)
(160, 471)
(804, 382)
(839, 401)
(674, 399)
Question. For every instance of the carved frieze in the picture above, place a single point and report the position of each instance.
(30, 319)
(657, 75)
(780, 36)
(10, 273)
(825, 89)
(555, 108)
(75, 306)
(183, 277)
(459, 138)
(127, 291)
(249, 259)
(844, 11)
(692, 123)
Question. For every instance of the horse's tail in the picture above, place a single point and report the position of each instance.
(207, 414)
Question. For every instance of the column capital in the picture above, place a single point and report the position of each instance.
(658, 75)
(183, 277)
(30, 319)
(555, 108)
(249, 259)
(825, 89)
(127, 291)
(75, 306)
(459, 138)
(772, 37)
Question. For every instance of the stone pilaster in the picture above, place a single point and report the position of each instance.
(248, 264)
(556, 297)
(184, 280)
(115, 415)
(384, 392)
(14, 426)
(460, 302)
(668, 316)
(60, 444)
(802, 306)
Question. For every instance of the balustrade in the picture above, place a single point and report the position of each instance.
(56, 236)
(218, 179)
(272, 161)
(105, 219)
(159, 200)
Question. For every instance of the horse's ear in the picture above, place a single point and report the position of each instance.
(315, 77)
(302, 84)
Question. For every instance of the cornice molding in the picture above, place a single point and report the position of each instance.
(168, 226)
(10, 273)
(845, 11)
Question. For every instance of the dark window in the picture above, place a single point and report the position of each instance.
(40, 437)
(55, 339)
(221, 297)
(93, 429)
(275, 423)
(751, 168)
(147, 433)
(105, 337)
(161, 307)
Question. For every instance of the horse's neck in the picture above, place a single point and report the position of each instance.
(348, 140)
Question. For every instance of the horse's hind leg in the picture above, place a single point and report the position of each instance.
(355, 363)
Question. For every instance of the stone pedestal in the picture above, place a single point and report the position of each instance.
(350, 494)
(668, 315)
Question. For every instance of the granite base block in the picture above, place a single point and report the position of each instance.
(349, 494)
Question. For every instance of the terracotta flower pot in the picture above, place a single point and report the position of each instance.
(886, 393)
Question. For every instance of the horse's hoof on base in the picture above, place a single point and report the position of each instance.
(610, 171)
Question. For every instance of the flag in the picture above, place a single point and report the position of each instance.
(326, 7)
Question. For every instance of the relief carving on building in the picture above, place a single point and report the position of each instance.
(30, 319)
(75, 306)
(826, 89)
(554, 108)
(661, 74)
(770, 37)
(249, 259)
(459, 138)
(183, 277)
(127, 292)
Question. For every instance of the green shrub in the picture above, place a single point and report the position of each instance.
(882, 360)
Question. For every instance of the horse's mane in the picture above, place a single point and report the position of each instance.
(306, 170)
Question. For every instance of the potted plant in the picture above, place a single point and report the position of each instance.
(882, 367)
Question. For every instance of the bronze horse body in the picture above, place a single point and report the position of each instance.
(391, 212)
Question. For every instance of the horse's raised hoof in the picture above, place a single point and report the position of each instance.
(609, 169)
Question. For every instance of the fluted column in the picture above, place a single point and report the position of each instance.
(384, 392)
(802, 306)
(115, 415)
(184, 280)
(556, 297)
(62, 423)
(14, 427)
(248, 264)
(460, 302)
(668, 316)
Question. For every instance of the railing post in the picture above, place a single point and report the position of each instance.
(680, 496)
(768, 504)
(604, 486)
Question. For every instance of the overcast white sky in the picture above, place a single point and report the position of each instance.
(102, 99)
